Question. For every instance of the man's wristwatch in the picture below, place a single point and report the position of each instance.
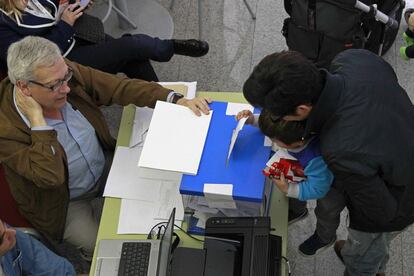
(176, 97)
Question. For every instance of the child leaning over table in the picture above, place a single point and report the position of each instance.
(288, 135)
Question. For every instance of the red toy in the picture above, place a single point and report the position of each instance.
(291, 169)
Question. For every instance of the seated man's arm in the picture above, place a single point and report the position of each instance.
(34, 152)
(108, 89)
(39, 158)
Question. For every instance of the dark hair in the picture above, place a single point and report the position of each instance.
(287, 132)
(282, 81)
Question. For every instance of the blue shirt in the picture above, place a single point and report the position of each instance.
(85, 156)
(318, 177)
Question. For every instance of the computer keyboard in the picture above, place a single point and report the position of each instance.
(134, 259)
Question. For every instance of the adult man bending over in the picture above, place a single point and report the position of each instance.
(54, 141)
(365, 122)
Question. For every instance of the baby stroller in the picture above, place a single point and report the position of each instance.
(320, 29)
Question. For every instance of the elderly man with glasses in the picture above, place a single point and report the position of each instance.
(21, 254)
(55, 145)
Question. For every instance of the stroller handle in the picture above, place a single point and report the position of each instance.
(390, 22)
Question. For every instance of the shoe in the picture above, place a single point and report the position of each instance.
(403, 53)
(380, 274)
(314, 245)
(295, 217)
(190, 47)
(337, 248)
(408, 40)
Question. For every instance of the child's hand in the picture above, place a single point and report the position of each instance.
(246, 114)
(281, 183)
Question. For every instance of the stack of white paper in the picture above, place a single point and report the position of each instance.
(145, 200)
(175, 139)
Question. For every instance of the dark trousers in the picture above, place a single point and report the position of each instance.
(328, 210)
(328, 214)
(129, 54)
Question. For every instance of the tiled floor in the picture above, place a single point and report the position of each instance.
(237, 43)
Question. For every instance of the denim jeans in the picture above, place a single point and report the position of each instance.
(366, 254)
(30, 257)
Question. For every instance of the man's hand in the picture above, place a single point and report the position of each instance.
(281, 183)
(197, 105)
(30, 108)
(71, 13)
(246, 114)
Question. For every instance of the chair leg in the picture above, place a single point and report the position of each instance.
(249, 9)
(172, 4)
(121, 14)
(111, 7)
(200, 25)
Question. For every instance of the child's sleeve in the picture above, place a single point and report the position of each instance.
(318, 182)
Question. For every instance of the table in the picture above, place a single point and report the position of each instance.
(110, 215)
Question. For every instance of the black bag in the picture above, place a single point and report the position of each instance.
(89, 28)
(320, 29)
(379, 36)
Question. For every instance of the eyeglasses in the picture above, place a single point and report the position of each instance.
(56, 87)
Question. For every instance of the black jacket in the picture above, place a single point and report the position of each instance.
(366, 125)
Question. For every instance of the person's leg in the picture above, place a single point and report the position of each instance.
(328, 210)
(116, 55)
(366, 254)
(297, 210)
(81, 226)
(140, 70)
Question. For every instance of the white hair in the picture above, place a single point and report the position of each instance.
(27, 55)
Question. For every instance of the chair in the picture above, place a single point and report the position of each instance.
(9, 211)
(200, 16)
(120, 13)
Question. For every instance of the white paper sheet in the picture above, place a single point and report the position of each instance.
(280, 153)
(267, 142)
(141, 124)
(234, 108)
(175, 139)
(159, 174)
(219, 195)
(236, 131)
(170, 197)
(136, 217)
(124, 180)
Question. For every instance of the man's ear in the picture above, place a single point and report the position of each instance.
(24, 87)
(303, 110)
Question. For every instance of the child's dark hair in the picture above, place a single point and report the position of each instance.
(287, 132)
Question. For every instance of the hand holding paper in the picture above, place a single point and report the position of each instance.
(234, 137)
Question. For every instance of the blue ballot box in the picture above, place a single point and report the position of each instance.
(243, 171)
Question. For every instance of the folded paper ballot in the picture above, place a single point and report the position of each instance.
(175, 139)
